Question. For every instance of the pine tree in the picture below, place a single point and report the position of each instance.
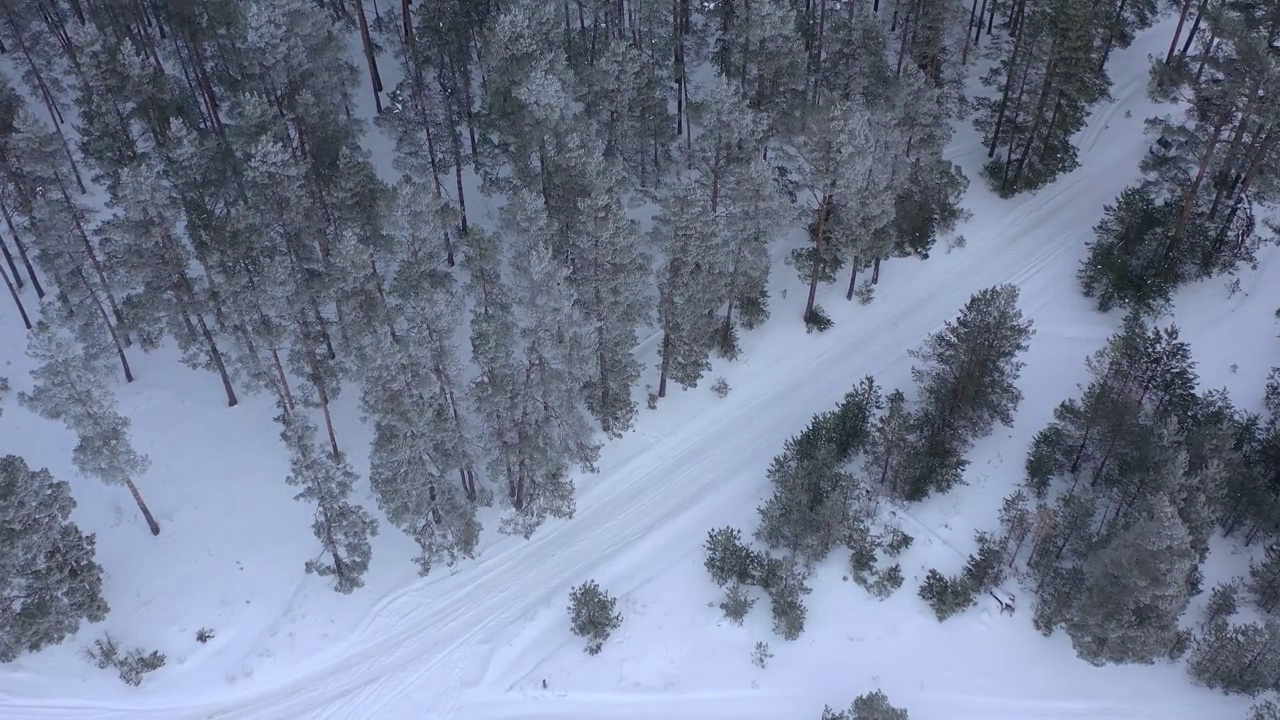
(529, 343)
(743, 197)
(689, 291)
(422, 464)
(48, 575)
(835, 155)
(970, 369)
(815, 499)
(888, 447)
(171, 297)
(1125, 266)
(71, 386)
(1135, 590)
(608, 276)
(1047, 75)
(968, 382)
(1238, 658)
(343, 529)
(1264, 579)
(868, 706)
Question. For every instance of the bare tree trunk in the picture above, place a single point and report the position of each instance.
(818, 247)
(22, 251)
(666, 363)
(1195, 28)
(1014, 57)
(286, 394)
(146, 512)
(853, 277)
(323, 395)
(93, 257)
(374, 77)
(1177, 31)
(4, 247)
(216, 355)
(115, 338)
(13, 292)
(973, 16)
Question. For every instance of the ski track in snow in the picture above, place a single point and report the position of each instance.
(434, 649)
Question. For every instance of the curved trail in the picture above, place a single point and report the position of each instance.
(426, 651)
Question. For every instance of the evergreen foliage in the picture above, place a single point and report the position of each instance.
(343, 529)
(1237, 658)
(48, 574)
(593, 615)
(868, 706)
(815, 498)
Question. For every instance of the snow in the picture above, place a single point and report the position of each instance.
(479, 640)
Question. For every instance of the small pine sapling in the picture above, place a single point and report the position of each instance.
(887, 581)
(787, 589)
(875, 706)
(729, 559)
(1224, 601)
(737, 603)
(947, 596)
(725, 342)
(866, 292)
(753, 311)
(204, 635)
(862, 553)
(132, 665)
(593, 615)
(895, 542)
(868, 706)
(720, 387)
(761, 655)
(137, 664)
(104, 653)
(817, 319)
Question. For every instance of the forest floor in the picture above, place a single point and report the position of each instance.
(480, 639)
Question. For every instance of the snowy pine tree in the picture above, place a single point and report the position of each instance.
(1135, 590)
(343, 529)
(71, 385)
(689, 291)
(48, 576)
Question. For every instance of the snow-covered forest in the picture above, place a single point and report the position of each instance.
(843, 359)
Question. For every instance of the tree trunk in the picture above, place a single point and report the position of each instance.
(13, 292)
(853, 277)
(1109, 41)
(286, 394)
(1014, 56)
(22, 252)
(146, 512)
(1195, 28)
(973, 15)
(216, 356)
(818, 247)
(369, 57)
(1177, 31)
(93, 257)
(1042, 104)
(8, 258)
(666, 363)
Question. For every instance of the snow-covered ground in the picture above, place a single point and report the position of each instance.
(480, 640)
